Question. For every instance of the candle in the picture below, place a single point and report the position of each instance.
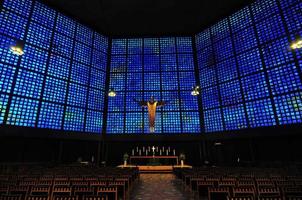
(167, 152)
(169, 149)
(136, 149)
(149, 149)
(174, 152)
(163, 148)
(156, 149)
(133, 152)
(160, 152)
(140, 153)
(146, 153)
(143, 149)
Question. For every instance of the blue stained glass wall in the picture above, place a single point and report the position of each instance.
(59, 83)
(249, 76)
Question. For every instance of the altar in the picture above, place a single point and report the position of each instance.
(153, 160)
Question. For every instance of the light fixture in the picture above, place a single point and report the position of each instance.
(297, 43)
(111, 93)
(195, 90)
(18, 48)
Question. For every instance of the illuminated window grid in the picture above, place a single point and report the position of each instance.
(51, 116)
(96, 99)
(94, 122)
(28, 84)
(84, 34)
(62, 45)
(227, 70)
(244, 40)
(230, 93)
(100, 42)
(82, 53)
(262, 9)
(223, 49)
(22, 112)
(115, 123)
(151, 62)
(158, 122)
(34, 59)
(255, 87)
(6, 56)
(169, 81)
(39, 35)
(118, 81)
(207, 76)
(99, 60)
(289, 108)
(270, 29)
(134, 123)
(184, 45)
(59, 67)
(288, 3)
(21, 7)
(234, 117)
(134, 81)
(210, 97)
(134, 63)
(77, 95)
(55, 90)
(118, 64)
(65, 25)
(74, 119)
(187, 101)
(293, 18)
(119, 46)
(220, 30)
(172, 100)
(206, 57)
(203, 39)
(152, 81)
(151, 46)
(168, 62)
(240, 20)
(97, 79)
(135, 46)
(213, 120)
(155, 94)
(117, 104)
(6, 77)
(190, 122)
(249, 62)
(79, 73)
(260, 113)
(44, 15)
(167, 45)
(12, 24)
(185, 62)
(186, 80)
(131, 105)
(284, 79)
(3, 105)
(171, 122)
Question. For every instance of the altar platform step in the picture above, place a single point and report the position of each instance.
(156, 168)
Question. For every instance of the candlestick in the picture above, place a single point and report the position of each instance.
(160, 152)
(143, 149)
(140, 153)
(167, 152)
(136, 149)
(174, 152)
(133, 152)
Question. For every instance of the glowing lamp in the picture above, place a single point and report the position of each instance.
(18, 48)
(111, 93)
(297, 44)
(195, 91)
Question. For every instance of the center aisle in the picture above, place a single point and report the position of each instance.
(158, 187)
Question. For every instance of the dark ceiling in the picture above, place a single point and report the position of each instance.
(148, 17)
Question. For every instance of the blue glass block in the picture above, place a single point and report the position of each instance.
(185, 62)
(168, 62)
(151, 46)
(172, 100)
(94, 122)
(44, 15)
(59, 67)
(62, 45)
(167, 45)
(293, 18)
(287, 3)
(263, 9)
(184, 45)
(115, 123)
(135, 63)
(152, 81)
(171, 122)
(21, 7)
(135, 46)
(206, 57)
(119, 46)
(169, 81)
(213, 120)
(230, 93)
(220, 30)
(203, 39)
(74, 119)
(118, 64)
(234, 117)
(270, 29)
(84, 34)
(65, 25)
(223, 49)
(284, 79)
(79, 73)
(187, 101)
(186, 80)
(39, 35)
(255, 86)
(131, 105)
(155, 94)
(100, 42)
(151, 63)
(227, 70)
(77, 95)
(260, 113)
(6, 55)
(12, 24)
(51, 116)
(55, 90)
(118, 81)
(207, 77)
(22, 112)
(99, 60)
(240, 20)
(96, 99)
(210, 97)
(117, 104)
(134, 81)
(249, 62)
(28, 84)
(244, 40)
(97, 79)
(82, 53)
(3, 105)
(34, 59)
(6, 77)
(289, 108)
(134, 123)
(190, 122)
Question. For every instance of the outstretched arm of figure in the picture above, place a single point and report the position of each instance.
(141, 103)
(161, 103)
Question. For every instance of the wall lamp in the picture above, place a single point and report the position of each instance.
(297, 43)
(195, 90)
(18, 48)
(111, 93)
